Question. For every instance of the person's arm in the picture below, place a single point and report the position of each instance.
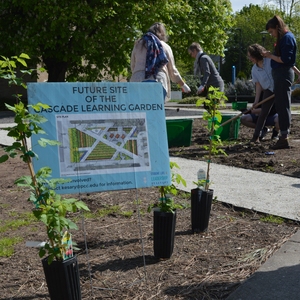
(268, 54)
(133, 56)
(172, 70)
(296, 70)
(258, 90)
(132, 61)
(171, 67)
(287, 48)
(205, 71)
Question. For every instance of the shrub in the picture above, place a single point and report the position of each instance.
(240, 87)
(175, 86)
(296, 93)
(189, 100)
(242, 75)
(193, 82)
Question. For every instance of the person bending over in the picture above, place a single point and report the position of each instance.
(205, 68)
(261, 74)
(250, 120)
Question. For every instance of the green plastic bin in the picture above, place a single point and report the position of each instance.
(238, 105)
(179, 132)
(229, 131)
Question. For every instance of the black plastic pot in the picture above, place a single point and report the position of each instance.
(200, 209)
(62, 279)
(163, 233)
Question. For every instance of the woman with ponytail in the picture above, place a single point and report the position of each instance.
(283, 61)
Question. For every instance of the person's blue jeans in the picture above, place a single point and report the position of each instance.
(164, 90)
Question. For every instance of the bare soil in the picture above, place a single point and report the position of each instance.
(115, 263)
(244, 155)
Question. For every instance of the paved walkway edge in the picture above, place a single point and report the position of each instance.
(277, 279)
(268, 193)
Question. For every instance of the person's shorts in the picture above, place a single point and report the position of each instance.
(270, 121)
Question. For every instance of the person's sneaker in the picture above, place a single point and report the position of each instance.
(274, 134)
(281, 144)
(263, 133)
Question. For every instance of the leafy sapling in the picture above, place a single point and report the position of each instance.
(166, 202)
(48, 207)
(214, 101)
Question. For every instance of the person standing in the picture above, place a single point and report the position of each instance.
(283, 67)
(152, 59)
(261, 74)
(205, 68)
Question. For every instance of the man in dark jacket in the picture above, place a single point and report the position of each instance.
(205, 68)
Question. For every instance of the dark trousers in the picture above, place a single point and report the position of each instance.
(283, 79)
(265, 110)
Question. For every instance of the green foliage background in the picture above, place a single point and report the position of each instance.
(92, 40)
(63, 34)
(250, 22)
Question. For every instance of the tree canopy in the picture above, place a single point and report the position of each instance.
(251, 24)
(88, 40)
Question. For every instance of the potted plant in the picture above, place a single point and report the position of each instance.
(164, 216)
(60, 265)
(201, 197)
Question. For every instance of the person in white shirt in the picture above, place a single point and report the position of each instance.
(262, 77)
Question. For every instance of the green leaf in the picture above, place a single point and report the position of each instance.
(24, 55)
(38, 106)
(43, 218)
(81, 205)
(42, 252)
(24, 181)
(12, 63)
(22, 61)
(44, 142)
(4, 158)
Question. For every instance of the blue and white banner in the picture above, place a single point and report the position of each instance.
(112, 135)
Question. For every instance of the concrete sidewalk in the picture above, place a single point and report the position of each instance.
(263, 192)
(277, 279)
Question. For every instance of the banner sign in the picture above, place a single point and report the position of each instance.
(112, 135)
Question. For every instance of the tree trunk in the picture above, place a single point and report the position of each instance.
(56, 70)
